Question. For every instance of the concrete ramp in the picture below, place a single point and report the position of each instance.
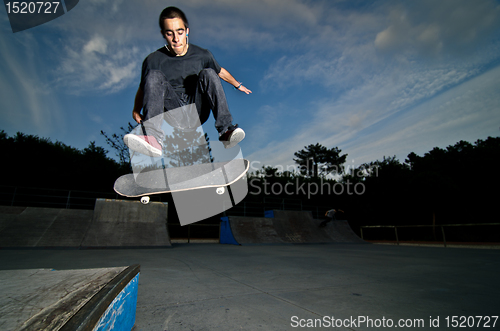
(121, 223)
(43, 227)
(113, 223)
(87, 299)
(281, 226)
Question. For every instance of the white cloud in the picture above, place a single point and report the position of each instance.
(102, 54)
(96, 44)
(408, 36)
(99, 65)
(432, 28)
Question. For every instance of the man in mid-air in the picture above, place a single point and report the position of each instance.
(180, 83)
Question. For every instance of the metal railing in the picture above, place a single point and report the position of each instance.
(60, 198)
(442, 226)
(54, 198)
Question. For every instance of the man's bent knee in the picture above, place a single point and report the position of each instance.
(208, 73)
(154, 78)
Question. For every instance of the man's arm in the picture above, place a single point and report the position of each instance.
(227, 77)
(136, 113)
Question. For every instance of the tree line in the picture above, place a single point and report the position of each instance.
(452, 185)
(31, 161)
(456, 184)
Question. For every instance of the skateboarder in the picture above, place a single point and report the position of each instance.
(330, 216)
(180, 83)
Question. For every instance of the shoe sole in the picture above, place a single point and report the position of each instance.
(141, 146)
(237, 136)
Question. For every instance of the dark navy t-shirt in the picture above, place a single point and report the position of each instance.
(181, 71)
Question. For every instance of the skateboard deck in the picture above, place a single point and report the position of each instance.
(168, 180)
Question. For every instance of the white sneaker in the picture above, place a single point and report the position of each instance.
(232, 136)
(147, 145)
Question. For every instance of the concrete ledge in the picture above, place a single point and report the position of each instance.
(114, 305)
(47, 299)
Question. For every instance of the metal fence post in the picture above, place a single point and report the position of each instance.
(444, 238)
(67, 201)
(396, 231)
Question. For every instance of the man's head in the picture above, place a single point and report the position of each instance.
(173, 12)
(174, 28)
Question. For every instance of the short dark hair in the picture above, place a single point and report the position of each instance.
(173, 12)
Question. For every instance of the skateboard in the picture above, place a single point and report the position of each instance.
(218, 176)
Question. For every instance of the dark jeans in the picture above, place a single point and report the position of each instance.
(182, 111)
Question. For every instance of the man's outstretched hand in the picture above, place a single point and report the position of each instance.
(244, 89)
(227, 77)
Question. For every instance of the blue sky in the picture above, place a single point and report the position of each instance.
(374, 78)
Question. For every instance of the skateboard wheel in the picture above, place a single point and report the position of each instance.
(145, 200)
(220, 190)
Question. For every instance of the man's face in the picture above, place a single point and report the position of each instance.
(174, 33)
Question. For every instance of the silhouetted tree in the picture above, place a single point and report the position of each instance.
(116, 142)
(313, 157)
(185, 148)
